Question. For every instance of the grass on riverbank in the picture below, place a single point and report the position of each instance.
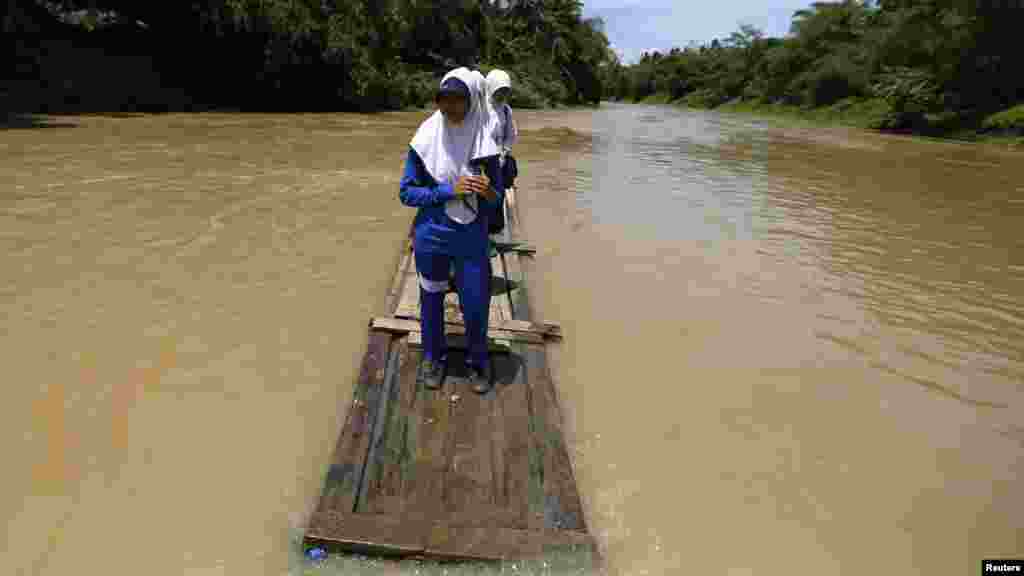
(850, 112)
(1006, 127)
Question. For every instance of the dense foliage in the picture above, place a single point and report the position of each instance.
(296, 54)
(928, 62)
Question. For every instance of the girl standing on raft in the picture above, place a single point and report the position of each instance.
(452, 175)
(505, 132)
(499, 86)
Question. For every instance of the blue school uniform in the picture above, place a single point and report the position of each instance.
(439, 242)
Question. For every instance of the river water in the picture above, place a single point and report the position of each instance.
(787, 349)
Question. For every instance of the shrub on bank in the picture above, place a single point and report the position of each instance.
(658, 98)
(704, 98)
(525, 95)
(1010, 121)
(851, 111)
(831, 81)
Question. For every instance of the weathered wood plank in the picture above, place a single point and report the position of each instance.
(516, 266)
(561, 502)
(512, 393)
(534, 495)
(388, 455)
(458, 341)
(409, 300)
(500, 245)
(405, 266)
(476, 490)
(504, 370)
(404, 326)
(368, 533)
(496, 543)
(498, 330)
(470, 479)
(511, 209)
(423, 485)
(386, 535)
(546, 329)
(346, 469)
(501, 310)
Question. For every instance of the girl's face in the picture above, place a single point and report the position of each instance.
(500, 96)
(453, 108)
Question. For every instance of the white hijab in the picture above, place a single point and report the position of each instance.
(496, 80)
(446, 150)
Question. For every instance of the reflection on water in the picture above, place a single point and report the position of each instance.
(786, 346)
(927, 246)
(787, 350)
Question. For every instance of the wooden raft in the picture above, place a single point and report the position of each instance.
(450, 474)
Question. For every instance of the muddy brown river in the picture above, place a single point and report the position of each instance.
(788, 349)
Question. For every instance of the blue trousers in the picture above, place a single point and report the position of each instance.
(473, 284)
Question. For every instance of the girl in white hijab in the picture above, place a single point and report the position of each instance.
(505, 132)
(453, 177)
(499, 87)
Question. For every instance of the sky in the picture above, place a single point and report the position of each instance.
(637, 26)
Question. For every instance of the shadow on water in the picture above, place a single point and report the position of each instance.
(28, 121)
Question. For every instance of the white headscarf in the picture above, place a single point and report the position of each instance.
(503, 131)
(446, 150)
(497, 79)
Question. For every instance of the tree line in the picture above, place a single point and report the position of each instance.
(924, 64)
(295, 54)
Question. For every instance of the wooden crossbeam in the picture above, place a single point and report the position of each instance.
(502, 329)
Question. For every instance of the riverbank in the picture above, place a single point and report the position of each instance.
(1005, 128)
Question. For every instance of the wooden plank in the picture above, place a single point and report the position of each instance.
(504, 368)
(520, 324)
(500, 309)
(469, 485)
(476, 492)
(515, 266)
(405, 265)
(497, 543)
(346, 468)
(510, 202)
(511, 209)
(412, 327)
(498, 330)
(386, 535)
(423, 484)
(500, 245)
(458, 341)
(409, 300)
(561, 501)
(388, 455)
(522, 305)
(511, 392)
(368, 533)
(523, 325)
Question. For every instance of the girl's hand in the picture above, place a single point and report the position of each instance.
(487, 192)
(469, 185)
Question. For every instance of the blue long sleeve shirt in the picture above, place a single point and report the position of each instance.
(433, 231)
